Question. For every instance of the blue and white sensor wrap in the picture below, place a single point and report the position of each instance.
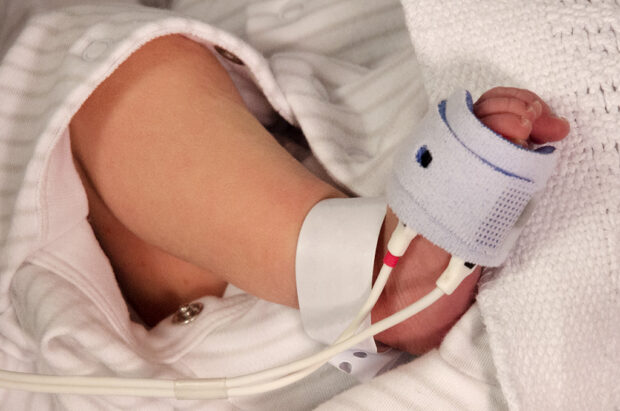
(464, 187)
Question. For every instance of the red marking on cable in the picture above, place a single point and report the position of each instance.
(390, 260)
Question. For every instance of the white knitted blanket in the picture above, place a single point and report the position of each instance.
(552, 311)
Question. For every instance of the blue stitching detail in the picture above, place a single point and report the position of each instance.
(545, 149)
(470, 101)
(418, 155)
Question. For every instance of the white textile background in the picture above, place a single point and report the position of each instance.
(552, 312)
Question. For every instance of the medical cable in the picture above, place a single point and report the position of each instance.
(197, 388)
(212, 388)
(376, 328)
(453, 275)
(397, 245)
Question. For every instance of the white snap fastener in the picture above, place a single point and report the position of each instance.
(228, 55)
(186, 313)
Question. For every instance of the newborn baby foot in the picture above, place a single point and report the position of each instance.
(519, 116)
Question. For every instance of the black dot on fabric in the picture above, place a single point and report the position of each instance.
(469, 265)
(424, 157)
(360, 354)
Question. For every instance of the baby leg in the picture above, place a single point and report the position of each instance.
(178, 166)
(518, 115)
(187, 192)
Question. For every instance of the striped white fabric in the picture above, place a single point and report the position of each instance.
(344, 71)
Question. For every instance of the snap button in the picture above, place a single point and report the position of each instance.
(186, 313)
(228, 55)
(94, 50)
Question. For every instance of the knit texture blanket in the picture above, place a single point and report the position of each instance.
(552, 312)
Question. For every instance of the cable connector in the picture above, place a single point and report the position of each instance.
(400, 240)
(457, 270)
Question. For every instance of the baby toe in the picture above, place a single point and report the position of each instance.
(513, 127)
(549, 128)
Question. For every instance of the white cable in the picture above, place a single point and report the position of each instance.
(201, 388)
(237, 386)
(456, 271)
(373, 297)
(291, 378)
(454, 274)
(87, 385)
(397, 245)
(253, 383)
(164, 388)
(451, 277)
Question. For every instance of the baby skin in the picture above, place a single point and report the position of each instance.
(188, 192)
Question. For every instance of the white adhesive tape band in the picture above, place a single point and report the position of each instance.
(334, 264)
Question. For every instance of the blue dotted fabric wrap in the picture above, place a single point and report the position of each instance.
(464, 187)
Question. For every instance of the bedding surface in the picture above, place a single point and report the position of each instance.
(553, 310)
